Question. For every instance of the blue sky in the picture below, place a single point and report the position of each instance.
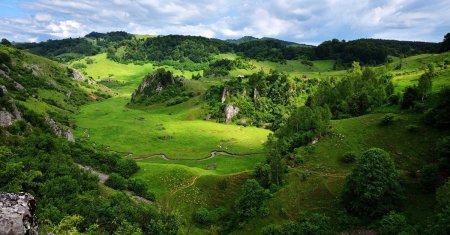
(304, 21)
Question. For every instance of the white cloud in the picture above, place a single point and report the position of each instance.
(298, 20)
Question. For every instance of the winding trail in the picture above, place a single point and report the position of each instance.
(212, 155)
(183, 187)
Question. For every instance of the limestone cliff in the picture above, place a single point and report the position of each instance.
(17, 214)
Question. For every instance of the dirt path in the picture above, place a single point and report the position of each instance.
(101, 177)
(183, 187)
(104, 177)
(212, 155)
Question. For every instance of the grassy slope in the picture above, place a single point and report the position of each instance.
(316, 184)
(185, 185)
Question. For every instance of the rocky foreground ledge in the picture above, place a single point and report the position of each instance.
(17, 214)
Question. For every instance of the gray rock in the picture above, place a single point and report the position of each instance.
(15, 110)
(18, 86)
(225, 94)
(4, 75)
(58, 131)
(17, 214)
(77, 76)
(35, 69)
(6, 118)
(3, 90)
(5, 68)
(230, 112)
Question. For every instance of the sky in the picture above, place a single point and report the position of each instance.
(303, 21)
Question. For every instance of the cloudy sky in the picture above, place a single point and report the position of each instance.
(305, 21)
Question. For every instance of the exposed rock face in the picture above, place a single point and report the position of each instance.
(35, 69)
(6, 118)
(77, 76)
(3, 74)
(15, 110)
(230, 112)
(58, 131)
(225, 94)
(3, 90)
(18, 86)
(156, 83)
(17, 214)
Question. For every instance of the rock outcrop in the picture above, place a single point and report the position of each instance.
(18, 86)
(230, 112)
(3, 90)
(35, 69)
(77, 76)
(58, 131)
(6, 118)
(15, 110)
(17, 214)
(156, 83)
(225, 94)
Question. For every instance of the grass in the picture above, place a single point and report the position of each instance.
(178, 131)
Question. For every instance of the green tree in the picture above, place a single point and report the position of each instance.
(373, 188)
(425, 82)
(440, 222)
(251, 200)
(394, 224)
(445, 45)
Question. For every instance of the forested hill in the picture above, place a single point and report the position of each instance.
(124, 48)
(371, 51)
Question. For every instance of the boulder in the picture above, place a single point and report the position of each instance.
(6, 118)
(35, 69)
(230, 112)
(3, 90)
(18, 86)
(15, 110)
(17, 214)
(77, 76)
(58, 131)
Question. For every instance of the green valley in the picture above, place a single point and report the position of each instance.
(116, 133)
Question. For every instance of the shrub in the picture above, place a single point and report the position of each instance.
(126, 167)
(394, 223)
(348, 157)
(140, 188)
(116, 181)
(387, 119)
(204, 216)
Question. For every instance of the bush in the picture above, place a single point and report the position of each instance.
(394, 223)
(387, 119)
(204, 216)
(140, 188)
(348, 157)
(126, 167)
(116, 181)
(370, 195)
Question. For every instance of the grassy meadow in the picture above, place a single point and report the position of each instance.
(186, 183)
